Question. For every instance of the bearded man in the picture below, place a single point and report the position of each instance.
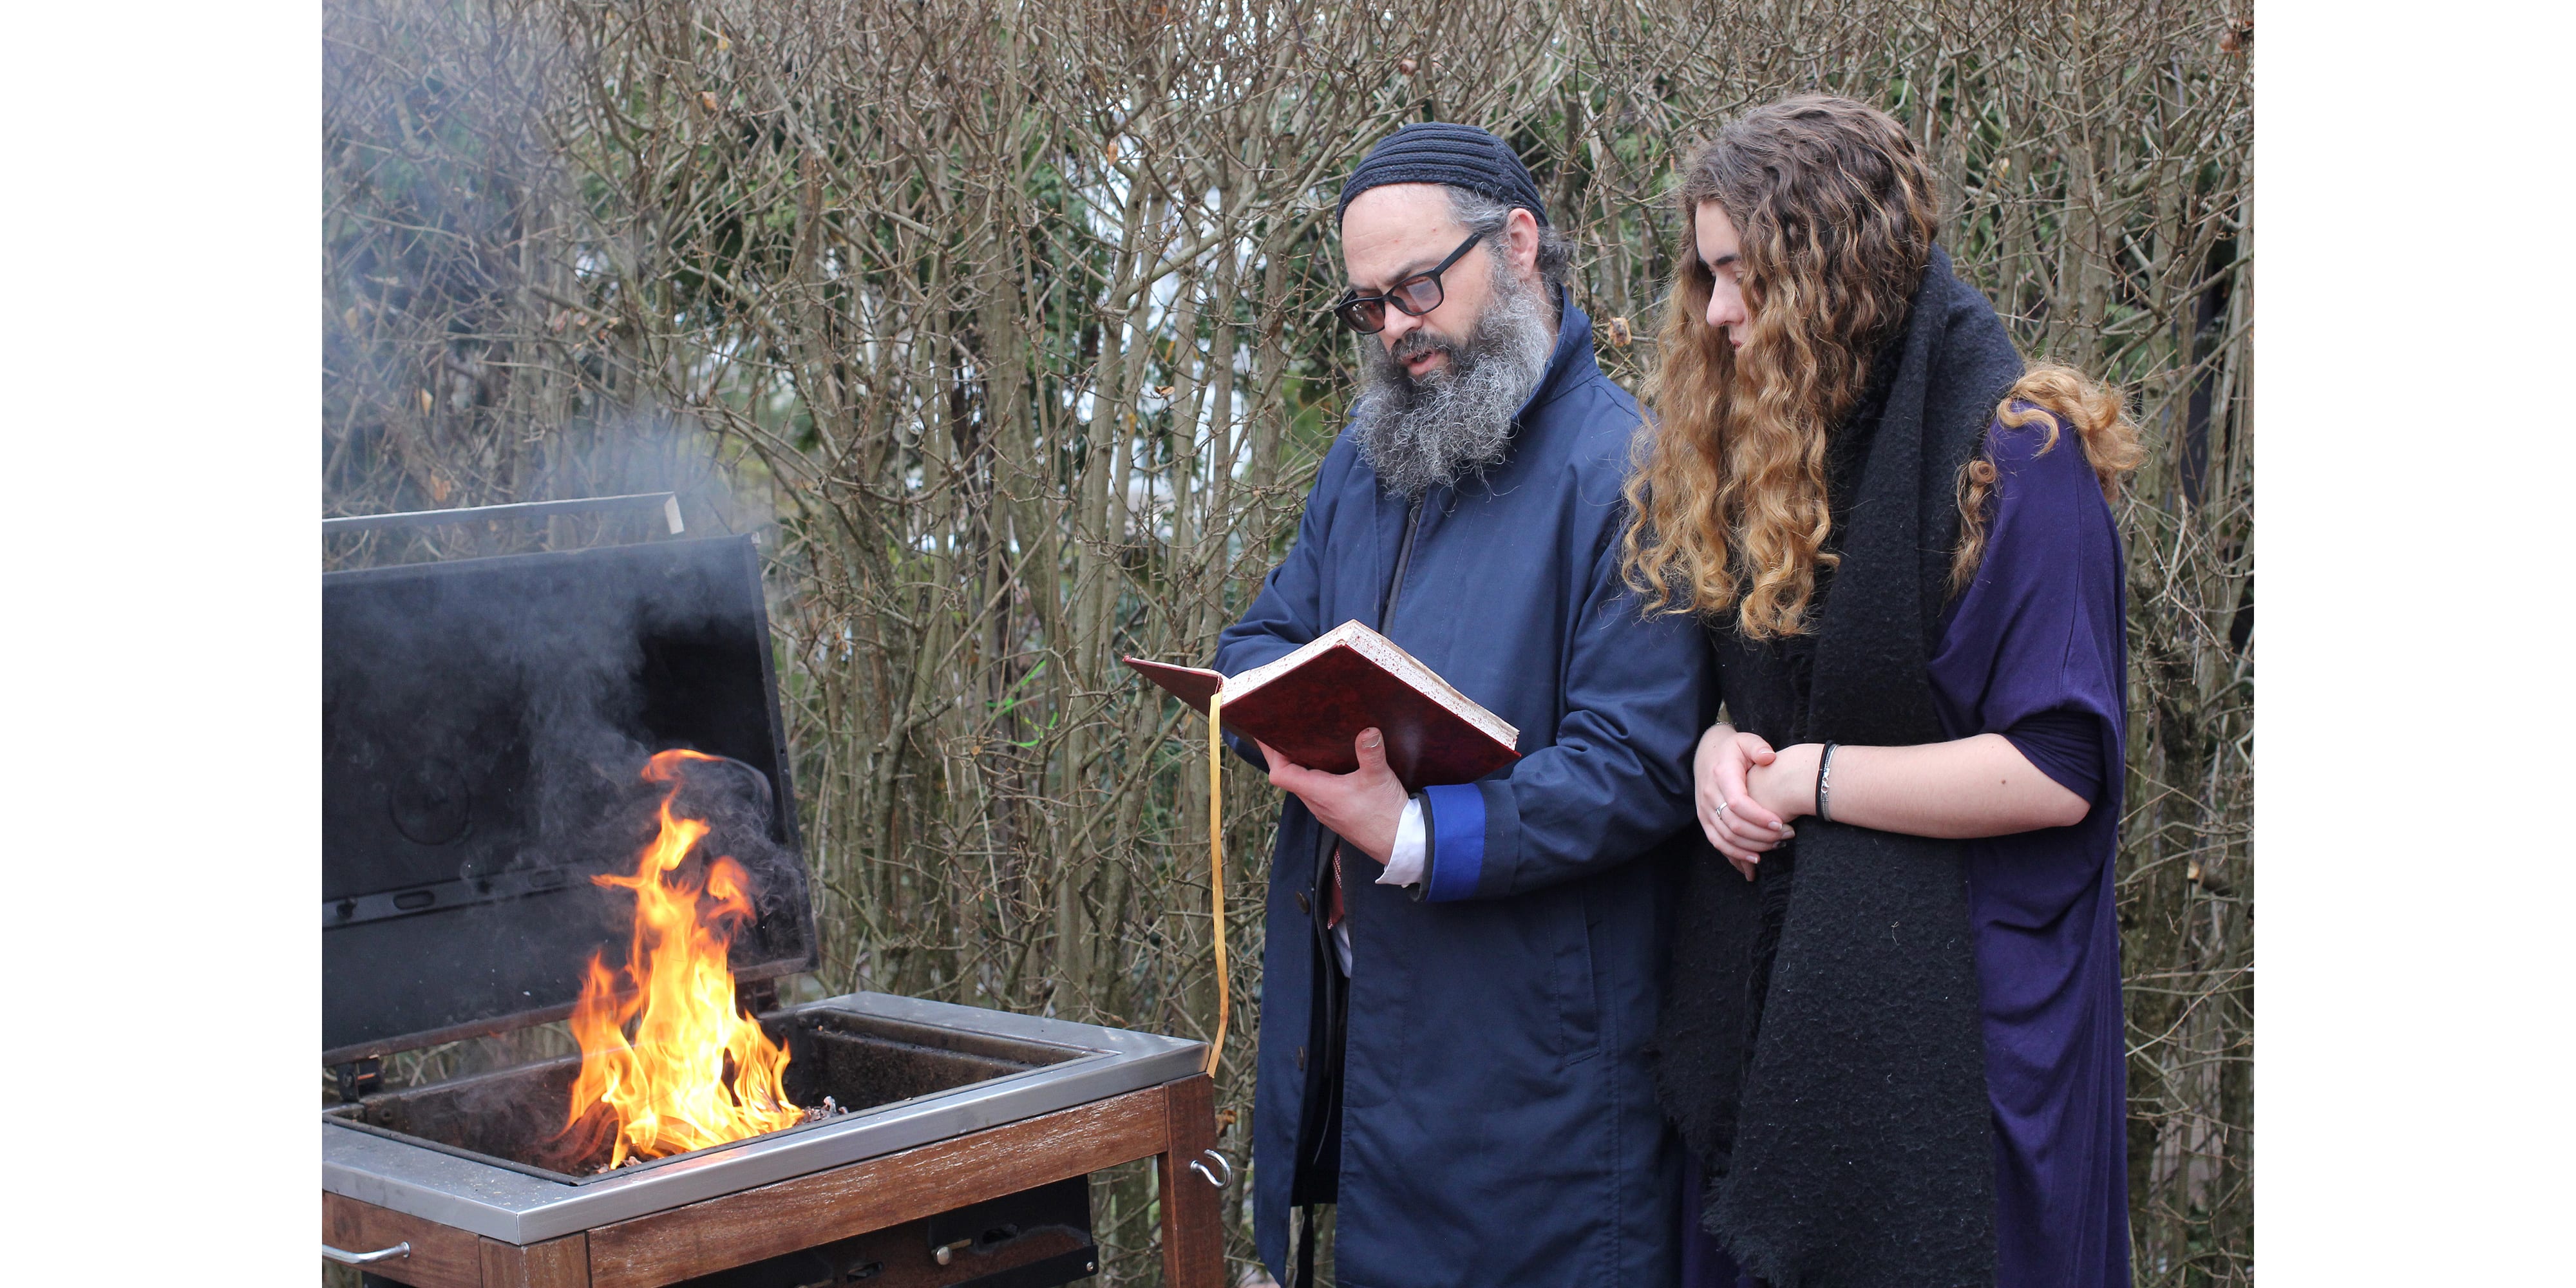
(1459, 985)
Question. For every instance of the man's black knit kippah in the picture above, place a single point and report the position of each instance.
(1461, 156)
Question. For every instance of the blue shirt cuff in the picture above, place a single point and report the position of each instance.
(1455, 819)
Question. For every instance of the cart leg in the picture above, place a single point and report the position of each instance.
(1193, 1236)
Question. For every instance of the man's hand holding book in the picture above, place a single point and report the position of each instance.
(1362, 807)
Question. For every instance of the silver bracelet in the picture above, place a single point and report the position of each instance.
(1825, 784)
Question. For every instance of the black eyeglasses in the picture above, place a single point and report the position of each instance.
(1416, 295)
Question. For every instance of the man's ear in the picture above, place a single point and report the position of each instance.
(1521, 228)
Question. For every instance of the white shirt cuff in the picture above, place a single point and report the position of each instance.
(1404, 866)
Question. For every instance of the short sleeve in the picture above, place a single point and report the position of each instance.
(2065, 745)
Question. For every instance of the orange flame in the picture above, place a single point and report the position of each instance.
(665, 1054)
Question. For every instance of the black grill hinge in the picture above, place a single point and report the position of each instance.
(359, 1078)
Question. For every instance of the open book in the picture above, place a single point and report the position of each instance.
(1312, 703)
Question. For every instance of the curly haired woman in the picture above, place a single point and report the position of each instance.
(1892, 1036)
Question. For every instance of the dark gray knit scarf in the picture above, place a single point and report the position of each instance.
(1819, 1046)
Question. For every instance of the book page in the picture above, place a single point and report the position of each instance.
(1238, 685)
(1406, 667)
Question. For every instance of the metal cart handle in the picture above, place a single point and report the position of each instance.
(346, 1258)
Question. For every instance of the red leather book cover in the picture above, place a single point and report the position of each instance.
(1311, 704)
(1193, 685)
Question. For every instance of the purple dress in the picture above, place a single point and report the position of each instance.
(2035, 650)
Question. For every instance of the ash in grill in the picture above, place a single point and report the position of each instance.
(483, 723)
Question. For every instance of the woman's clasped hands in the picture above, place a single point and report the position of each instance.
(1746, 794)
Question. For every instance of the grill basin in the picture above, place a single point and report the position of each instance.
(512, 1117)
(465, 1153)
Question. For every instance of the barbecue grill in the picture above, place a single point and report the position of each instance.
(482, 720)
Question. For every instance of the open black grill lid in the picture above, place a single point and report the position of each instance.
(484, 725)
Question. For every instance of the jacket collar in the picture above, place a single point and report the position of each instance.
(1567, 363)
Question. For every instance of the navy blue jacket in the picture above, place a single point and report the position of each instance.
(1498, 1123)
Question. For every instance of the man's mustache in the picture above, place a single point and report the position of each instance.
(1417, 343)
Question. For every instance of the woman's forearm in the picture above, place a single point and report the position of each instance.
(1980, 786)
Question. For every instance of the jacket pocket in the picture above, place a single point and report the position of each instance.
(1578, 985)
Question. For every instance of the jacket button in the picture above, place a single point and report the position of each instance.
(1301, 1059)
(1304, 904)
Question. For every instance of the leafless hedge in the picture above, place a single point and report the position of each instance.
(1005, 320)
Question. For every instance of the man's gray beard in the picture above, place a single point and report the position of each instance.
(1453, 423)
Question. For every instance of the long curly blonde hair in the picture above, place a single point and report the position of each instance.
(1835, 214)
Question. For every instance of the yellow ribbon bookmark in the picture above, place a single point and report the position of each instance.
(1216, 876)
